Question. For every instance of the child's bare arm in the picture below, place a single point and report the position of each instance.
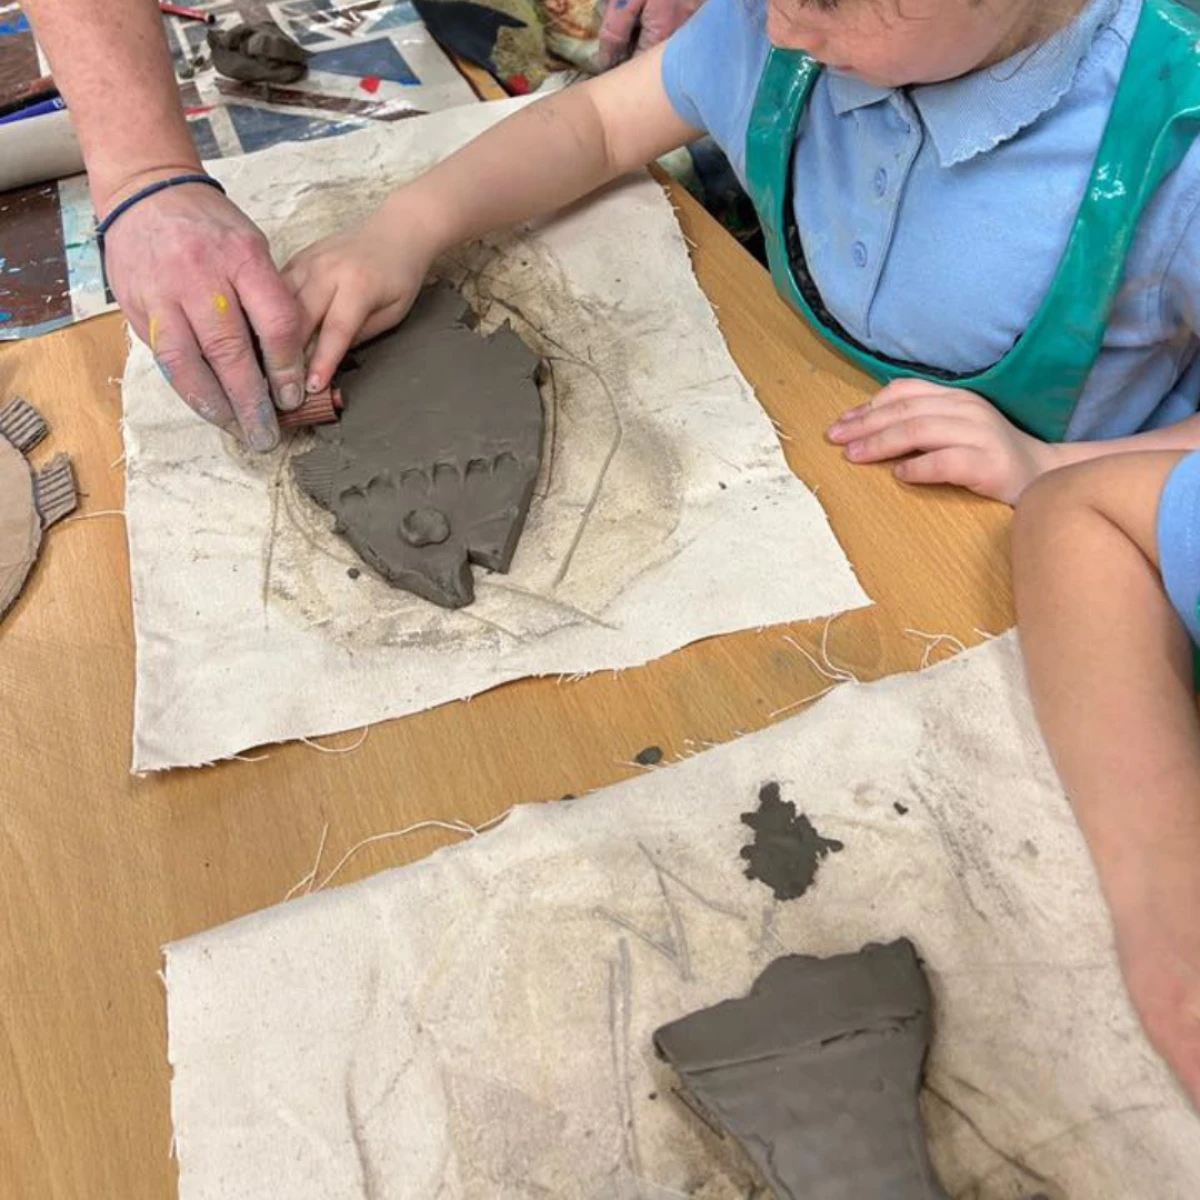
(1183, 435)
(549, 154)
(1110, 667)
(1105, 649)
(542, 158)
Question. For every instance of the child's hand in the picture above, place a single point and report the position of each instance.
(356, 284)
(953, 435)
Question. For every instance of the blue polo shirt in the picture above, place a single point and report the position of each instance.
(934, 218)
(1179, 541)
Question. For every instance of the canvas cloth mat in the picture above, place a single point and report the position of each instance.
(665, 511)
(479, 1024)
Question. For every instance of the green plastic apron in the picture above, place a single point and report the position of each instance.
(1154, 119)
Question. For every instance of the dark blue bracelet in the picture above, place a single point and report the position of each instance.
(150, 190)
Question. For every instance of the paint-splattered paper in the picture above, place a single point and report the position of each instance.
(479, 1024)
(372, 61)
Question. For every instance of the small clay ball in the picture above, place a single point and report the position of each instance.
(425, 527)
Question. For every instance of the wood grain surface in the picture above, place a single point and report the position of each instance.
(98, 869)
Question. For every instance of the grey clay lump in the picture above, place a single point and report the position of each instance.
(817, 1074)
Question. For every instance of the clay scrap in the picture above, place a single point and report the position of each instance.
(433, 463)
(257, 52)
(31, 500)
(787, 850)
(817, 1073)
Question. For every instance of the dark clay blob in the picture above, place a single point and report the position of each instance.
(786, 850)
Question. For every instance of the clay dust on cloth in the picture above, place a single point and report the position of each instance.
(665, 511)
(480, 1024)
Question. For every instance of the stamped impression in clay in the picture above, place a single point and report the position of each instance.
(433, 464)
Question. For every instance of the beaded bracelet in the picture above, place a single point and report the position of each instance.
(150, 190)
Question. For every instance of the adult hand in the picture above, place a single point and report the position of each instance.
(944, 435)
(357, 283)
(653, 20)
(195, 279)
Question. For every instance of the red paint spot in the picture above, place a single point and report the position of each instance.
(203, 111)
(518, 85)
(370, 83)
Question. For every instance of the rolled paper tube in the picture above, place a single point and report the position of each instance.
(320, 409)
(37, 150)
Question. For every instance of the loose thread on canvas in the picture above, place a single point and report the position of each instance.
(337, 749)
(932, 642)
(800, 703)
(463, 828)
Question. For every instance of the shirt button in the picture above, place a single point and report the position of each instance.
(881, 181)
(859, 254)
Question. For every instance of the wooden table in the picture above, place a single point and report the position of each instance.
(98, 869)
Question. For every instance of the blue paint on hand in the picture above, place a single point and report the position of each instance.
(165, 372)
(622, 4)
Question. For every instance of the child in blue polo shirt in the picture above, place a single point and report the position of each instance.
(991, 206)
(1107, 573)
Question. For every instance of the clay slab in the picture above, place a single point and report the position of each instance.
(433, 463)
(817, 1071)
(31, 499)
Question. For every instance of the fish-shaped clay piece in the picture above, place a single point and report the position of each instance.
(30, 500)
(433, 463)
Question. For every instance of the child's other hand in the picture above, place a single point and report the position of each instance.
(354, 285)
(944, 435)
